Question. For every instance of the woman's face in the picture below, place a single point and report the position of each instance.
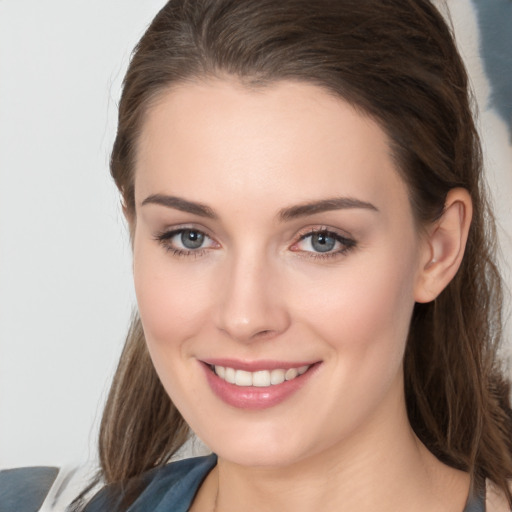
(274, 240)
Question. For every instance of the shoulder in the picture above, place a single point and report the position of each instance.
(170, 487)
(25, 489)
(178, 478)
(44, 488)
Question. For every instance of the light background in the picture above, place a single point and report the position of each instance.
(65, 276)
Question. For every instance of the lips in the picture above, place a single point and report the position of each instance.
(257, 385)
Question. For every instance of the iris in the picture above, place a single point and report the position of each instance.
(192, 239)
(322, 242)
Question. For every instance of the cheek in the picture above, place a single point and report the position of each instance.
(364, 312)
(363, 318)
(171, 302)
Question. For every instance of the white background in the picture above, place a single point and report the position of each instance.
(65, 276)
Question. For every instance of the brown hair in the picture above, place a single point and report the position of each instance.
(396, 61)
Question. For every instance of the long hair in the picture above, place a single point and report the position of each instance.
(396, 61)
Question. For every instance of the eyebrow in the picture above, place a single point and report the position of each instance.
(286, 214)
(325, 205)
(181, 204)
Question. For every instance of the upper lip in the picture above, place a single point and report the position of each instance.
(254, 366)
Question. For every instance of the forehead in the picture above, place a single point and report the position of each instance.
(287, 141)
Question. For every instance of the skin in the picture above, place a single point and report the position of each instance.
(257, 289)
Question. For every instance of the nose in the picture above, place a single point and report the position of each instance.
(250, 304)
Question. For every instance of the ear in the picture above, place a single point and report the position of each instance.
(444, 246)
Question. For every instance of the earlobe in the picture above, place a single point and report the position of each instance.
(444, 246)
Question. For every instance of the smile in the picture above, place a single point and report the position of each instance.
(257, 385)
(261, 378)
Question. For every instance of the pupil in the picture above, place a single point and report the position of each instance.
(192, 239)
(322, 242)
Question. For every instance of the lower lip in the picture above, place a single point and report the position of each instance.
(253, 397)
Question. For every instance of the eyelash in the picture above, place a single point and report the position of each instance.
(164, 238)
(347, 244)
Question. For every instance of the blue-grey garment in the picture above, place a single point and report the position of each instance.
(170, 488)
(25, 489)
(476, 501)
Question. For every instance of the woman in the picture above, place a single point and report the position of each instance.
(313, 263)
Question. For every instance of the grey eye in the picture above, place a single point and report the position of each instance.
(192, 239)
(322, 242)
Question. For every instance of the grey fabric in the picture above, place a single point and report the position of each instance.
(25, 489)
(495, 23)
(476, 502)
(170, 488)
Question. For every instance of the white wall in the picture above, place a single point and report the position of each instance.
(65, 283)
(65, 278)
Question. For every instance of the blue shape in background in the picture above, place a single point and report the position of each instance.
(495, 21)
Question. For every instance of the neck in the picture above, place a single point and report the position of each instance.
(381, 467)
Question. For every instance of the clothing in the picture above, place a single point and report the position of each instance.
(44, 489)
(169, 488)
(25, 489)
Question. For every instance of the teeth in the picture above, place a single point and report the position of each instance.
(243, 378)
(277, 377)
(229, 375)
(291, 373)
(261, 378)
(303, 369)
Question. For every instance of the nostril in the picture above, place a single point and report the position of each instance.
(264, 334)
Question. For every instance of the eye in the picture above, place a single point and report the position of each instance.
(323, 243)
(185, 241)
(191, 239)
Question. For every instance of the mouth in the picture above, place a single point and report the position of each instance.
(258, 385)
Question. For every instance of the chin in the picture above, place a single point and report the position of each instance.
(259, 456)
(258, 447)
